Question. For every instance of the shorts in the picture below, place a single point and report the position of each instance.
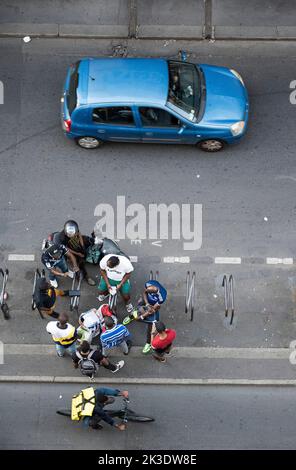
(125, 289)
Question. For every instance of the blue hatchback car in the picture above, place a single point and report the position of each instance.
(153, 100)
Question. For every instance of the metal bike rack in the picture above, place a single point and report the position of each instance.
(154, 276)
(112, 302)
(76, 285)
(190, 293)
(37, 275)
(3, 295)
(227, 283)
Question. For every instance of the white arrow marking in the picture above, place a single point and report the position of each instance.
(157, 243)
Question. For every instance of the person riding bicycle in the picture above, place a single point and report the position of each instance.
(148, 308)
(105, 396)
(77, 245)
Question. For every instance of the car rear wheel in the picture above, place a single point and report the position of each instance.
(211, 145)
(89, 142)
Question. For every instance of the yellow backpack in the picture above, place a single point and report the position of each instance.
(83, 404)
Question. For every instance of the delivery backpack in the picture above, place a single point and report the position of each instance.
(87, 365)
(83, 404)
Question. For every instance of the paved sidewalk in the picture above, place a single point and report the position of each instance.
(244, 366)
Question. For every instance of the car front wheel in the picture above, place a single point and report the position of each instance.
(89, 142)
(211, 145)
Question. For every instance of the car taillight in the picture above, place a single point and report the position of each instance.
(67, 125)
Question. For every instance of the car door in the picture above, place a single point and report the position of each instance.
(159, 125)
(115, 123)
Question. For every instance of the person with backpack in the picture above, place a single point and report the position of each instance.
(88, 360)
(148, 308)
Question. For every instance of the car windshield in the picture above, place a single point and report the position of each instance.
(184, 89)
(72, 92)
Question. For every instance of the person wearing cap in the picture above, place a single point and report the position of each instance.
(54, 259)
(92, 323)
(77, 245)
(47, 296)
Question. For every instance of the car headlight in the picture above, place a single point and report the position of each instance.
(237, 76)
(237, 128)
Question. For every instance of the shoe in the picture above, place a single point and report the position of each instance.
(54, 283)
(119, 366)
(146, 349)
(131, 317)
(103, 297)
(160, 359)
(129, 308)
(90, 281)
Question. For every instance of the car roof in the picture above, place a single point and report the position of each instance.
(123, 80)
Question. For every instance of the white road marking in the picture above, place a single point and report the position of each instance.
(14, 257)
(227, 260)
(133, 259)
(279, 260)
(175, 259)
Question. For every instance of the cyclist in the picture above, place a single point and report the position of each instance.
(149, 305)
(105, 396)
(54, 259)
(77, 245)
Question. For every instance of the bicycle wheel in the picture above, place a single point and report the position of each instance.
(139, 419)
(64, 413)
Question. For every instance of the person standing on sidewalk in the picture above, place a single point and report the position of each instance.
(161, 340)
(148, 308)
(63, 334)
(115, 272)
(45, 297)
(114, 336)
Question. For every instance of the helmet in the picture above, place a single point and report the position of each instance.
(71, 228)
(55, 251)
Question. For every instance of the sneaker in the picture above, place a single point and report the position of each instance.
(101, 298)
(54, 283)
(131, 317)
(146, 349)
(90, 281)
(160, 359)
(119, 366)
(129, 308)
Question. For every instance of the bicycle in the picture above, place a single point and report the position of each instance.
(125, 414)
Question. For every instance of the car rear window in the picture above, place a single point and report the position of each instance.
(120, 115)
(72, 91)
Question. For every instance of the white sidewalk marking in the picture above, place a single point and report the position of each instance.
(176, 259)
(133, 259)
(14, 257)
(227, 260)
(279, 260)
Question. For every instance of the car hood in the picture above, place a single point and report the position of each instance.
(226, 97)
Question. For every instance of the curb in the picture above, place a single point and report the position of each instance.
(147, 381)
(146, 31)
(178, 352)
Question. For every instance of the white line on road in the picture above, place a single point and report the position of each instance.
(227, 260)
(133, 259)
(14, 257)
(279, 260)
(175, 259)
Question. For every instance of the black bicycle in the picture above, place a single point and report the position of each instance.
(125, 414)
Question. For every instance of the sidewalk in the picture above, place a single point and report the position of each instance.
(186, 366)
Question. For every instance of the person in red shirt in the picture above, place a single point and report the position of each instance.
(161, 340)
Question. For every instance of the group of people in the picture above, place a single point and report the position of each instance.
(66, 255)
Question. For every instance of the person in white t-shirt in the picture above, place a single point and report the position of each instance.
(92, 323)
(115, 272)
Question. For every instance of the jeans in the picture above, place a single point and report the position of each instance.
(62, 349)
(123, 346)
(62, 266)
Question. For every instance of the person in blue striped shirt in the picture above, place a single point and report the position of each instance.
(114, 336)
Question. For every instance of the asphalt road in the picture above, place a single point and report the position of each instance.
(200, 417)
(247, 191)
